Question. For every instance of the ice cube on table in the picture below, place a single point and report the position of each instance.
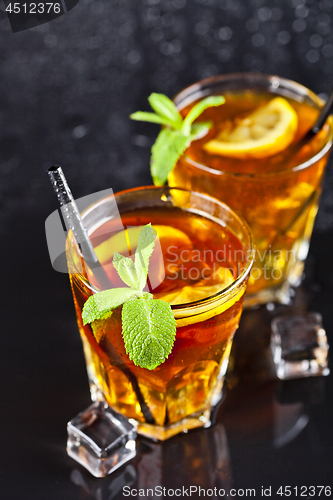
(101, 439)
(299, 346)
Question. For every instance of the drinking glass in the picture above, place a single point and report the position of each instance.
(277, 196)
(178, 394)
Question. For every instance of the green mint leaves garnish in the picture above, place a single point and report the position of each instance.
(126, 270)
(172, 141)
(148, 324)
(98, 305)
(143, 252)
(149, 331)
(168, 147)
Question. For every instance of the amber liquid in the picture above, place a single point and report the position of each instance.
(279, 204)
(185, 382)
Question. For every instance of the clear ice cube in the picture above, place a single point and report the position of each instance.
(299, 346)
(101, 439)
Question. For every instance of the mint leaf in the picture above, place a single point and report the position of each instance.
(149, 330)
(148, 325)
(200, 129)
(164, 107)
(100, 327)
(134, 274)
(172, 142)
(98, 305)
(169, 146)
(126, 270)
(144, 116)
(146, 243)
(200, 108)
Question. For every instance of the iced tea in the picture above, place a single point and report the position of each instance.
(278, 194)
(203, 270)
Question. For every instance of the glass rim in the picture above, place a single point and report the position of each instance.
(274, 83)
(211, 299)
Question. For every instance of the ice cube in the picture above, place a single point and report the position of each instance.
(299, 346)
(101, 439)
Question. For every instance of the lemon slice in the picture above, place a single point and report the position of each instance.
(203, 290)
(265, 132)
(215, 311)
(171, 235)
(127, 240)
(219, 280)
(189, 294)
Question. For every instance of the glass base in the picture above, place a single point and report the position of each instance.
(161, 433)
(101, 439)
(218, 393)
(193, 421)
(281, 293)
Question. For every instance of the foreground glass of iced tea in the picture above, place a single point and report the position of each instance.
(278, 194)
(201, 266)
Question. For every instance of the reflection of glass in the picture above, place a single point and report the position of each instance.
(260, 407)
(277, 195)
(292, 405)
(108, 489)
(177, 395)
(199, 459)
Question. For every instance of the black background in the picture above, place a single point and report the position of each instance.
(66, 90)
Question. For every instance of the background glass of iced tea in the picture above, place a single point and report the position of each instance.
(277, 195)
(203, 271)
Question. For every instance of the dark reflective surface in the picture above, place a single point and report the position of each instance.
(66, 90)
(266, 432)
(198, 459)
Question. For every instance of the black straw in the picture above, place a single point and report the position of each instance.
(72, 219)
(323, 115)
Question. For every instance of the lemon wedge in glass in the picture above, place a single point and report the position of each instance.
(267, 131)
(126, 241)
(205, 288)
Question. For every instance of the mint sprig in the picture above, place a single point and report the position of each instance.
(98, 305)
(149, 329)
(148, 324)
(173, 141)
